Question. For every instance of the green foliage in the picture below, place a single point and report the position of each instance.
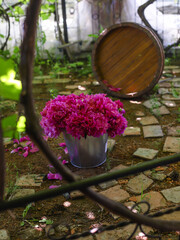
(97, 35)
(178, 119)
(16, 12)
(46, 11)
(25, 212)
(175, 93)
(9, 87)
(78, 68)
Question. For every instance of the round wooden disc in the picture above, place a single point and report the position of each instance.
(128, 60)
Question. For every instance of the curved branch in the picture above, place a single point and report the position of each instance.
(143, 18)
(166, 49)
(26, 69)
(83, 183)
(2, 165)
(6, 17)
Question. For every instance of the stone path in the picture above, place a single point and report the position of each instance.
(138, 187)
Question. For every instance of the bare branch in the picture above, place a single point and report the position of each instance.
(6, 17)
(141, 10)
(2, 165)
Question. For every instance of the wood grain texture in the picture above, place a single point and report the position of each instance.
(130, 57)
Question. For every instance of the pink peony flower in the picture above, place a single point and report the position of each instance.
(83, 115)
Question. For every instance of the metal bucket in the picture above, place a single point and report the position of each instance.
(86, 152)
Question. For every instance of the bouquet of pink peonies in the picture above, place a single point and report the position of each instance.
(83, 115)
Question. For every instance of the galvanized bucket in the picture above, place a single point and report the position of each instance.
(86, 152)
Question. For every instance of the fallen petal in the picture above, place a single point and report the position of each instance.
(54, 186)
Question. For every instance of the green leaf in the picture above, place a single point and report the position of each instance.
(9, 126)
(18, 10)
(45, 16)
(48, 221)
(22, 224)
(9, 88)
(1, 35)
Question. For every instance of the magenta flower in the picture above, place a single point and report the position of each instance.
(83, 115)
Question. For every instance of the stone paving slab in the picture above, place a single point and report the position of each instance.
(4, 234)
(41, 77)
(22, 193)
(119, 167)
(155, 199)
(83, 83)
(174, 131)
(107, 184)
(163, 90)
(116, 193)
(61, 80)
(149, 120)
(171, 217)
(172, 194)
(145, 153)
(177, 84)
(160, 111)
(171, 67)
(172, 144)
(139, 183)
(158, 176)
(65, 93)
(139, 114)
(152, 103)
(152, 131)
(120, 233)
(169, 103)
(165, 84)
(30, 180)
(78, 92)
(71, 87)
(170, 97)
(29, 234)
(132, 131)
(76, 194)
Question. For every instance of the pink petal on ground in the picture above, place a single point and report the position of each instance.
(28, 142)
(66, 150)
(45, 138)
(25, 138)
(54, 186)
(25, 154)
(15, 150)
(34, 149)
(16, 141)
(51, 166)
(64, 161)
(37, 227)
(62, 144)
(52, 176)
(59, 157)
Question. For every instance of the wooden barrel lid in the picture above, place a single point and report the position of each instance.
(128, 60)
